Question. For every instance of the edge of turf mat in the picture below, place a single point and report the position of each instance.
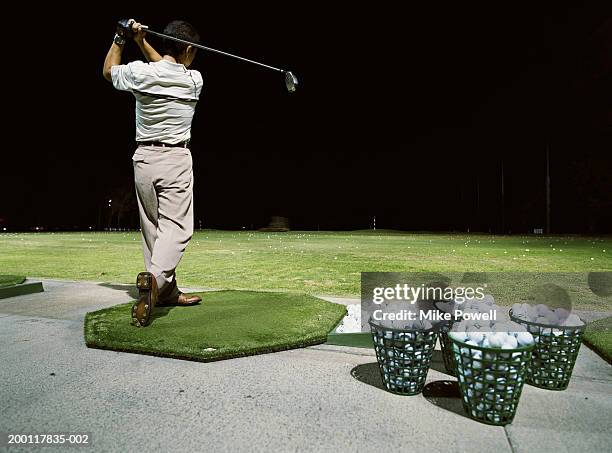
(231, 323)
(11, 280)
(16, 285)
(598, 337)
(354, 339)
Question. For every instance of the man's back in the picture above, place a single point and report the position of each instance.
(166, 95)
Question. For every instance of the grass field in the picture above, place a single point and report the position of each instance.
(310, 262)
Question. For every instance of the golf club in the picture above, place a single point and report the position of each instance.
(124, 29)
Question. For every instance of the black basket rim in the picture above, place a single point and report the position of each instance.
(547, 326)
(378, 326)
(480, 348)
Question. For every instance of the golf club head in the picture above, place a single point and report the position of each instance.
(291, 81)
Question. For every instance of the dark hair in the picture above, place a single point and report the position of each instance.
(179, 29)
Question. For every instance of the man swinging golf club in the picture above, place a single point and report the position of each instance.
(166, 94)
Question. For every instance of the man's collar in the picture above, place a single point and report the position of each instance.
(175, 66)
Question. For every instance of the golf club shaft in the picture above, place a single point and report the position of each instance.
(210, 49)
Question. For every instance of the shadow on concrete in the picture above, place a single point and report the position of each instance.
(130, 290)
(437, 362)
(445, 394)
(368, 373)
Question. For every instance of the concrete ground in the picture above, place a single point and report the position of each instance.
(321, 398)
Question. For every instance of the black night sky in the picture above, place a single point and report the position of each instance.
(407, 114)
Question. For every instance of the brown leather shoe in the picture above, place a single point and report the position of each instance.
(183, 300)
(147, 298)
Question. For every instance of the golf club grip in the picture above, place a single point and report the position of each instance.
(210, 49)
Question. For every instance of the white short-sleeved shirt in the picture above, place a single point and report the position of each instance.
(166, 95)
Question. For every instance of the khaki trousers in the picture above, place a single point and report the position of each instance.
(163, 178)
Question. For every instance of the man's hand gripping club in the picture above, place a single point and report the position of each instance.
(127, 28)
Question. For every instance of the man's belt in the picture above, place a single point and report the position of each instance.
(165, 145)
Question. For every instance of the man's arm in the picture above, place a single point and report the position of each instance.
(147, 50)
(113, 58)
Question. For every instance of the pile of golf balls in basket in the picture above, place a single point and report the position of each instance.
(399, 308)
(543, 314)
(491, 379)
(499, 333)
(558, 341)
(507, 335)
(407, 350)
(407, 363)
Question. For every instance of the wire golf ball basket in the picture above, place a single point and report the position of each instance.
(403, 356)
(554, 355)
(490, 380)
(446, 345)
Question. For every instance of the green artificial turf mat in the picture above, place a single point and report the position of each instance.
(15, 285)
(598, 336)
(11, 280)
(225, 325)
(354, 340)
